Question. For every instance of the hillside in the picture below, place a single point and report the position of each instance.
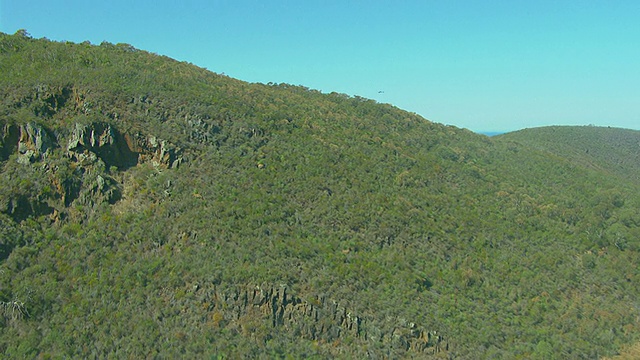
(611, 150)
(151, 208)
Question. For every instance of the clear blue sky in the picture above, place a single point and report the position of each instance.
(482, 65)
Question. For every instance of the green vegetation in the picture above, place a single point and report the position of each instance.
(153, 208)
(612, 150)
(629, 353)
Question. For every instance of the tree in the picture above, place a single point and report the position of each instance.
(23, 33)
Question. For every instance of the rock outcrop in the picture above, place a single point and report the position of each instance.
(121, 150)
(160, 153)
(79, 172)
(99, 190)
(34, 143)
(88, 141)
(31, 141)
(101, 140)
(319, 319)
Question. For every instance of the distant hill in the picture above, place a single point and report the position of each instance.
(491, 133)
(613, 150)
(150, 208)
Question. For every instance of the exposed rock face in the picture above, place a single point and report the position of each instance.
(158, 152)
(100, 140)
(34, 143)
(121, 150)
(31, 141)
(81, 174)
(91, 136)
(87, 143)
(101, 189)
(51, 98)
(315, 319)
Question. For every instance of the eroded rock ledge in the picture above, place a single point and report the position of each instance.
(121, 150)
(74, 166)
(318, 318)
(32, 142)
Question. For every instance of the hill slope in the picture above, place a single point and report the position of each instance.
(612, 150)
(150, 207)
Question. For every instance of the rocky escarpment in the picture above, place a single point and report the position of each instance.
(101, 140)
(30, 141)
(98, 140)
(75, 168)
(317, 318)
(53, 170)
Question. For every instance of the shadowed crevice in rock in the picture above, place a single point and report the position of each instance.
(9, 141)
(121, 150)
(21, 207)
(105, 142)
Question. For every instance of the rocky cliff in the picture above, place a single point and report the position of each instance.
(73, 166)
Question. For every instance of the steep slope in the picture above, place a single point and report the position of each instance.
(150, 207)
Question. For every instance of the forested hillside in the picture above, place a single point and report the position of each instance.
(612, 150)
(151, 208)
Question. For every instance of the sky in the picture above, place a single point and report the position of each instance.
(488, 66)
